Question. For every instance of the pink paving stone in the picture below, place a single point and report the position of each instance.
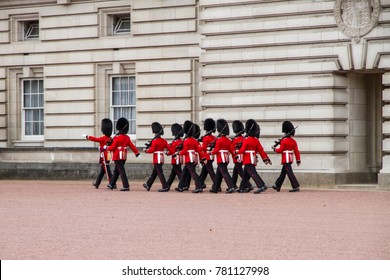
(72, 220)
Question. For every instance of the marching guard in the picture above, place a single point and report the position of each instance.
(288, 148)
(238, 129)
(158, 146)
(176, 160)
(208, 140)
(190, 151)
(223, 147)
(250, 147)
(104, 161)
(119, 149)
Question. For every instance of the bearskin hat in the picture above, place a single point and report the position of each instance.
(122, 125)
(223, 127)
(250, 127)
(257, 133)
(288, 127)
(238, 127)
(187, 127)
(209, 125)
(106, 127)
(177, 130)
(157, 128)
(196, 131)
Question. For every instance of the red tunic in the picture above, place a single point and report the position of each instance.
(288, 147)
(178, 159)
(103, 140)
(191, 150)
(207, 140)
(158, 147)
(119, 147)
(223, 146)
(235, 142)
(251, 146)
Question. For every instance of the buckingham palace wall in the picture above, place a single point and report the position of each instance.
(324, 65)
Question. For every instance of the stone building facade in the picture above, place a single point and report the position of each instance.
(324, 65)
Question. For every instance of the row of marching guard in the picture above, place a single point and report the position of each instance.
(189, 149)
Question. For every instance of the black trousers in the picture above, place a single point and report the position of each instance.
(207, 169)
(250, 172)
(287, 170)
(184, 183)
(222, 172)
(157, 171)
(175, 171)
(101, 174)
(239, 171)
(189, 169)
(119, 171)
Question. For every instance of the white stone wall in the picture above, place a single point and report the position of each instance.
(278, 60)
(194, 59)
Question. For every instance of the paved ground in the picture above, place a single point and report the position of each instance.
(72, 220)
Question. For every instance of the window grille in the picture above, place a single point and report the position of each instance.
(33, 107)
(123, 100)
(121, 25)
(31, 30)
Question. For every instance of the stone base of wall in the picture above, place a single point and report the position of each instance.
(66, 171)
(384, 181)
(141, 171)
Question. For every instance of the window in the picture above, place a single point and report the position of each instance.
(115, 21)
(24, 27)
(123, 100)
(31, 30)
(32, 108)
(121, 24)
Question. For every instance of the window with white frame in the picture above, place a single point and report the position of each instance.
(123, 100)
(115, 21)
(33, 118)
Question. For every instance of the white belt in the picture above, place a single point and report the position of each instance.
(160, 156)
(252, 155)
(288, 156)
(191, 153)
(223, 153)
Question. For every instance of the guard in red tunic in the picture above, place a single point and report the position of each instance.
(118, 148)
(251, 146)
(238, 129)
(104, 160)
(288, 148)
(191, 151)
(208, 141)
(222, 150)
(158, 146)
(177, 160)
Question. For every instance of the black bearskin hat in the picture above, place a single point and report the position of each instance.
(107, 127)
(177, 130)
(257, 134)
(157, 128)
(196, 131)
(250, 127)
(288, 127)
(223, 127)
(122, 125)
(187, 127)
(238, 127)
(209, 125)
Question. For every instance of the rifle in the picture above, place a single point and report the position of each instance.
(288, 134)
(149, 143)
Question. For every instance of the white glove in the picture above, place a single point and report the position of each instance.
(84, 136)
